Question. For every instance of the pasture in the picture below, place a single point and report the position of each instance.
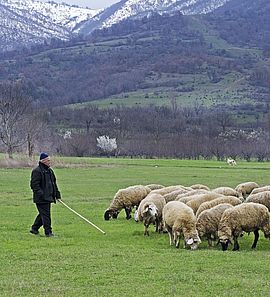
(80, 261)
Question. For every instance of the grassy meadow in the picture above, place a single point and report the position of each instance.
(81, 261)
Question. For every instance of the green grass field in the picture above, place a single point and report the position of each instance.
(81, 261)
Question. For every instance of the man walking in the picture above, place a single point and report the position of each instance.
(45, 191)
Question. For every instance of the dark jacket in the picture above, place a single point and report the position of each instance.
(43, 184)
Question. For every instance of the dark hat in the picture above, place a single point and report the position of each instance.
(43, 156)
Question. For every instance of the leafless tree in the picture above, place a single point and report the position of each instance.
(14, 108)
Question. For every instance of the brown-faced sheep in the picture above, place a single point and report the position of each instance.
(208, 220)
(261, 198)
(179, 219)
(126, 199)
(247, 217)
(244, 189)
(150, 211)
(224, 199)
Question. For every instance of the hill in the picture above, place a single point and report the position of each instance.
(192, 58)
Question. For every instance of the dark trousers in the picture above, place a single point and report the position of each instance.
(43, 218)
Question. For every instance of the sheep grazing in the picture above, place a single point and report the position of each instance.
(244, 189)
(260, 189)
(261, 198)
(208, 221)
(190, 195)
(199, 187)
(126, 199)
(224, 199)
(167, 190)
(179, 219)
(172, 195)
(155, 187)
(150, 211)
(226, 191)
(197, 201)
(231, 162)
(247, 217)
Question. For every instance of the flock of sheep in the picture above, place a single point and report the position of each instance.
(196, 212)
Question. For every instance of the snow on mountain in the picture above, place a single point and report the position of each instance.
(23, 22)
(139, 8)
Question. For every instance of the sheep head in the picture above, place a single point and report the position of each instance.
(109, 213)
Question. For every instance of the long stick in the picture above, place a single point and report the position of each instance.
(80, 216)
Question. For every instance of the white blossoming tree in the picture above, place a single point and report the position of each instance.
(106, 144)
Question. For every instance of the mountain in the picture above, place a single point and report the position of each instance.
(26, 22)
(126, 9)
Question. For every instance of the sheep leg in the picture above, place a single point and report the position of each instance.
(128, 211)
(146, 232)
(210, 242)
(256, 233)
(170, 234)
(235, 244)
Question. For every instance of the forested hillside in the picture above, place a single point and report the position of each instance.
(184, 55)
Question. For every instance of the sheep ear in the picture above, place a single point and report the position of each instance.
(146, 210)
(190, 241)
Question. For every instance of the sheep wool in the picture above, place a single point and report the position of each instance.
(261, 198)
(172, 195)
(179, 220)
(167, 190)
(247, 217)
(155, 186)
(244, 189)
(199, 187)
(190, 195)
(224, 199)
(150, 211)
(197, 201)
(126, 199)
(226, 191)
(208, 221)
(260, 189)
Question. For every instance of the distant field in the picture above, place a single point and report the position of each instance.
(81, 261)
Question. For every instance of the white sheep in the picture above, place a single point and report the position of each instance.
(261, 198)
(244, 189)
(231, 162)
(179, 219)
(167, 190)
(197, 201)
(172, 195)
(155, 186)
(226, 191)
(223, 199)
(247, 217)
(199, 187)
(208, 221)
(150, 211)
(126, 199)
(260, 189)
(190, 195)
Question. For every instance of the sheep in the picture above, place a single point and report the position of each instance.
(197, 201)
(224, 199)
(150, 211)
(208, 220)
(261, 198)
(260, 189)
(179, 219)
(172, 195)
(199, 187)
(126, 199)
(244, 189)
(226, 191)
(155, 186)
(246, 217)
(167, 190)
(190, 195)
(231, 162)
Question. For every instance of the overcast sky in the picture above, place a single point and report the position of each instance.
(89, 3)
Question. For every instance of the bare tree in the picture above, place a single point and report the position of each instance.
(14, 107)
